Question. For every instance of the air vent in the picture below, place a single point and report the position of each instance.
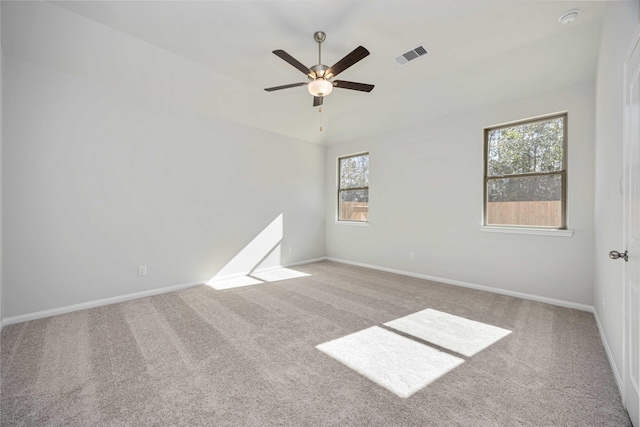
(409, 56)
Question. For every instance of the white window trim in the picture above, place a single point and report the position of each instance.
(353, 223)
(523, 230)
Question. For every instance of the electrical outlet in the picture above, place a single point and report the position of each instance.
(290, 249)
(142, 270)
(412, 256)
(602, 303)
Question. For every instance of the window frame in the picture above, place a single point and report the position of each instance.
(563, 173)
(339, 176)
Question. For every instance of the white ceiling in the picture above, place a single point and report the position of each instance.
(215, 56)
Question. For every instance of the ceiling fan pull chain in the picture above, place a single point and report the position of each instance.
(320, 111)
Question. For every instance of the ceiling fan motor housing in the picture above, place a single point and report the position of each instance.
(319, 70)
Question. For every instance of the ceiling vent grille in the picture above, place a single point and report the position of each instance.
(409, 56)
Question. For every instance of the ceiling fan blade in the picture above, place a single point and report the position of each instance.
(291, 60)
(271, 89)
(346, 62)
(363, 87)
(317, 100)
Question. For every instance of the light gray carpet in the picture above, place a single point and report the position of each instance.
(247, 356)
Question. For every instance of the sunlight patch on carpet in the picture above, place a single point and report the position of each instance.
(234, 282)
(257, 278)
(278, 274)
(400, 365)
(463, 336)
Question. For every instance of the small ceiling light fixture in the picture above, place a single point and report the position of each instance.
(569, 16)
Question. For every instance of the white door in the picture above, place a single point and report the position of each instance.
(632, 236)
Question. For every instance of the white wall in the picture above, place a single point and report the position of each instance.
(97, 182)
(620, 26)
(426, 190)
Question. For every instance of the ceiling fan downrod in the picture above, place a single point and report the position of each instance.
(319, 37)
(319, 69)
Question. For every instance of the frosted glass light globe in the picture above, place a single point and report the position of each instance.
(320, 87)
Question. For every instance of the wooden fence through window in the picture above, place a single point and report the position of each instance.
(536, 213)
(354, 211)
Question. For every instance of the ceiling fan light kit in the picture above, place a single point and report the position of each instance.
(320, 87)
(320, 76)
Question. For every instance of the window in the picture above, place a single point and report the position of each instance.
(525, 173)
(353, 188)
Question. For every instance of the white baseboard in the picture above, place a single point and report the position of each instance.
(96, 303)
(308, 261)
(121, 298)
(607, 349)
(553, 301)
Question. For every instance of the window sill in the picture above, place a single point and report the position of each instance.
(532, 231)
(356, 223)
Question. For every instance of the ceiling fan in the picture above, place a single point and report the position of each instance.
(320, 76)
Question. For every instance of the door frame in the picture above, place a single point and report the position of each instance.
(626, 162)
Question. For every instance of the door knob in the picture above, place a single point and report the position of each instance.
(616, 255)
